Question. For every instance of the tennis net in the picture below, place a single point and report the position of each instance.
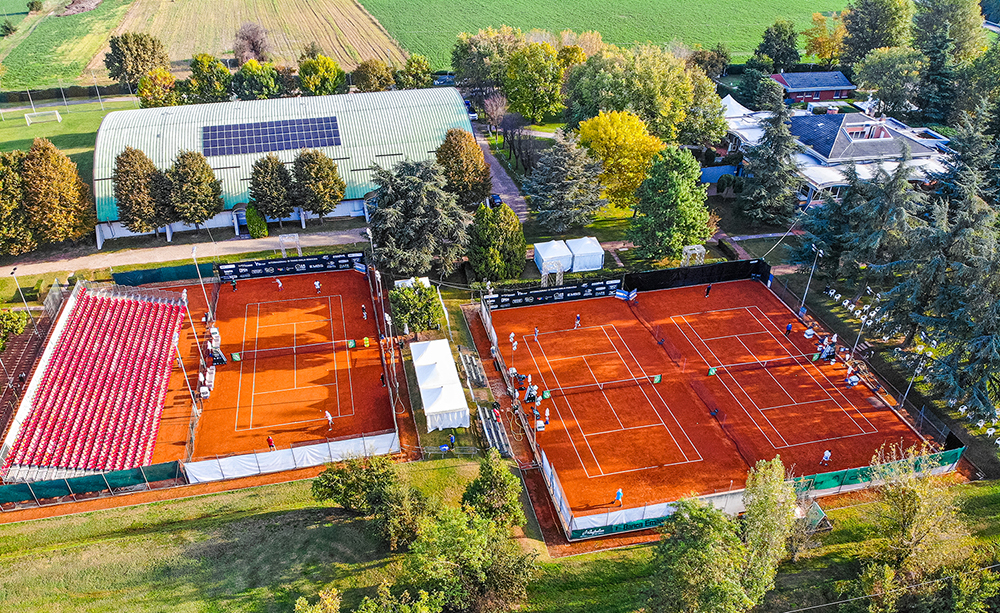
(261, 354)
(600, 386)
(742, 445)
(789, 360)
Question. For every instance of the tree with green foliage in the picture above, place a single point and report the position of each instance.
(828, 227)
(321, 76)
(256, 223)
(480, 60)
(271, 188)
(533, 81)
(496, 243)
(12, 323)
(713, 62)
(156, 89)
(496, 492)
(417, 308)
(698, 563)
(670, 212)
(382, 602)
(780, 43)
(825, 39)
(310, 52)
(132, 179)
(625, 149)
(133, 54)
(210, 80)
(373, 76)
(318, 187)
(569, 56)
(256, 81)
(758, 89)
(15, 230)
(936, 94)
(416, 74)
(959, 20)
(195, 192)
(770, 502)
(875, 24)
(34, 6)
(465, 169)
(415, 220)
(892, 74)
(251, 43)
(57, 202)
(472, 561)
(704, 122)
(770, 171)
(7, 28)
(565, 189)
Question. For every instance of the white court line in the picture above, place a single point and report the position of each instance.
(769, 374)
(256, 341)
(798, 404)
(559, 414)
(573, 357)
(651, 405)
(821, 386)
(295, 361)
(726, 385)
(621, 426)
(350, 376)
(239, 386)
(714, 338)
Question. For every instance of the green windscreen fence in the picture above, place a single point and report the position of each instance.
(855, 476)
(58, 488)
(163, 275)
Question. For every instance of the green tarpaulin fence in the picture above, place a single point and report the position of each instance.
(163, 275)
(58, 488)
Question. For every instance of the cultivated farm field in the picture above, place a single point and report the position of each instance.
(343, 29)
(429, 27)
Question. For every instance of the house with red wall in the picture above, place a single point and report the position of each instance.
(815, 86)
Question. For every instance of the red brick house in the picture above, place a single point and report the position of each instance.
(815, 86)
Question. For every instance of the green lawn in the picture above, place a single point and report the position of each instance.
(429, 27)
(74, 136)
(61, 47)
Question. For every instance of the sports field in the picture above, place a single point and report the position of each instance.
(615, 424)
(295, 364)
(429, 27)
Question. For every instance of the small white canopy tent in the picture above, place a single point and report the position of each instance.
(553, 251)
(440, 388)
(732, 108)
(587, 253)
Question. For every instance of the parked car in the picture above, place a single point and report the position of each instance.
(495, 200)
(473, 115)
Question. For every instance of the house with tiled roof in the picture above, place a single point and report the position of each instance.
(815, 86)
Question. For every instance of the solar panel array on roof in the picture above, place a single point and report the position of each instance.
(270, 136)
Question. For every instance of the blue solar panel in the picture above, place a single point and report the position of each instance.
(270, 136)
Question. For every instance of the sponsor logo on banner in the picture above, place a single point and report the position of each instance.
(593, 289)
(290, 266)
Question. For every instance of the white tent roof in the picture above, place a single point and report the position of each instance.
(553, 250)
(436, 374)
(586, 245)
(732, 108)
(443, 399)
(430, 352)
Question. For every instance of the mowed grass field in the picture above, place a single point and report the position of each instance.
(429, 27)
(342, 28)
(59, 47)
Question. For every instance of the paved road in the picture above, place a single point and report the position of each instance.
(170, 253)
(502, 183)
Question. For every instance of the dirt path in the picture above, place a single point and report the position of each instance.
(170, 253)
(502, 183)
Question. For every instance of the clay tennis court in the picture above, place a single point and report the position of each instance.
(615, 424)
(294, 364)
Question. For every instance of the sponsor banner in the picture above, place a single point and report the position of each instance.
(633, 294)
(643, 524)
(621, 294)
(546, 295)
(254, 269)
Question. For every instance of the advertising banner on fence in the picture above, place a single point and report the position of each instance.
(545, 295)
(253, 269)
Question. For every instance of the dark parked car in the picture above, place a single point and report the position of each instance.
(495, 200)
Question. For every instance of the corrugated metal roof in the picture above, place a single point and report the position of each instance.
(375, 128)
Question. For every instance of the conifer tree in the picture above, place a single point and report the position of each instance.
(565, 190)
(461, 158)
(132, 178)
(671, 211)
(496, 243)
(936, 95)
(195, 193)
(318, 186)
(271, 188)
(771, 177)
(828, 227)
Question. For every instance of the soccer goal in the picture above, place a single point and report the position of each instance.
(287, 241)
(42, 117)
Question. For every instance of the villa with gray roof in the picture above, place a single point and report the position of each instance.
(815, 86)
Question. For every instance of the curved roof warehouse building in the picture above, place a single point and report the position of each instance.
(356, 130)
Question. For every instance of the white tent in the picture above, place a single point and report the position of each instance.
(553, 251)
(587, 253)
(440, 388)
(732, 108)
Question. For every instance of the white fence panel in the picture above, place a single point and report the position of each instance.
(200, 472)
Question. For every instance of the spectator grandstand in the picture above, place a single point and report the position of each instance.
(95, 400)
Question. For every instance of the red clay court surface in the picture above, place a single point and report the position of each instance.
(286, 395)
(658, 442)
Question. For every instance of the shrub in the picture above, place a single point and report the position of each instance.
(7, 28)
(35, 6)
(256, 223)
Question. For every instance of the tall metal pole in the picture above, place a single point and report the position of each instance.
(177, 348)
(819, 254)
(97, 89)
(902, 403)
(861, 331)
(25, 301)
(208, 305)
(10, 382)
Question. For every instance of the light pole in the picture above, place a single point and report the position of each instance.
(916, 371)
(208, 305)
(819, 254)
(865, 320)
(18, 284)
(177, 348)
(10, 382)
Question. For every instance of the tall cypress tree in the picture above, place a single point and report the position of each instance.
(936, 96)
(15, 234)
(132, 179)
(318, 186)
(496, 243)
(565, 190)
(270, 188)
(195, 193)
(771, 175)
